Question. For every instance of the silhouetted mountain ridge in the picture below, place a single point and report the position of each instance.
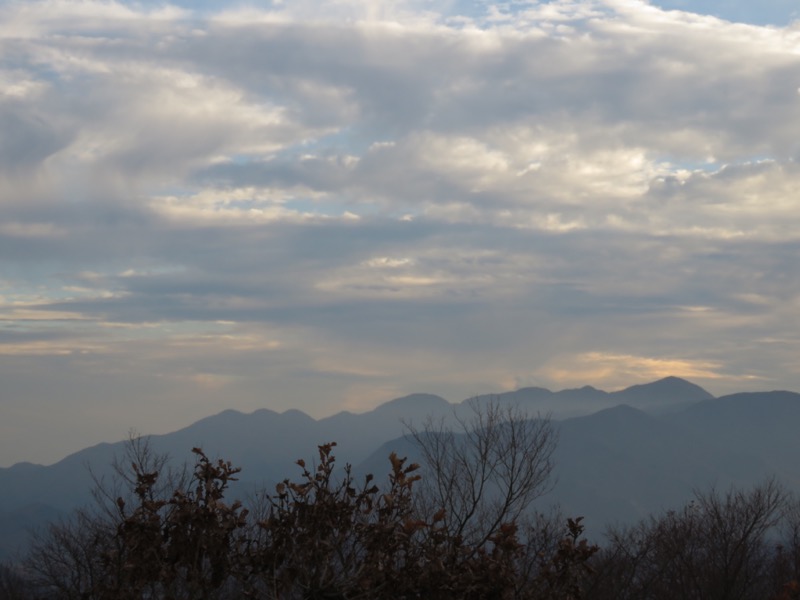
(664, 395)
(621, 454)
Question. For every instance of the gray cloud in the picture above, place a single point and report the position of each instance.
(324, 206)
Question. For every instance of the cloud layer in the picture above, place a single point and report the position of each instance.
(324, 206)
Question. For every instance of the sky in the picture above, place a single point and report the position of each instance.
(327, 205)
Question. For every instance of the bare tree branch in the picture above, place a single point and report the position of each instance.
(485, 470)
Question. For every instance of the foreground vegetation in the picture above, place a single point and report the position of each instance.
(460, 526)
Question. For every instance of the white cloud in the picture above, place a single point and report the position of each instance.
(330, 198)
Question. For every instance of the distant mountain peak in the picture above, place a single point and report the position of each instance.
(413, 402)
(669, 380)
(673, 380)
(297, 414)
(535, 388)
(668, 387)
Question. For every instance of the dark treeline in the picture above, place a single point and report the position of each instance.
(736, 545)
(460, 526)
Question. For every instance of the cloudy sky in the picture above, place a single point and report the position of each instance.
(326, 205)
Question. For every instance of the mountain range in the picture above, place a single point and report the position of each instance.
(620, 456)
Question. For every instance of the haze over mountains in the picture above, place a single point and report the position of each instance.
(620, 456)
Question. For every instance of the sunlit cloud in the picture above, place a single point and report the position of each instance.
(615, 371)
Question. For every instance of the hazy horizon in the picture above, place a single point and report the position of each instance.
(328, 205)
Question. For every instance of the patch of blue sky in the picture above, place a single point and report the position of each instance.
(712, 165)
(173, 190)
(156, 330)
(39, 71)
(44, 286)
(486, 14)
(764, 12)
(354, 141)
(20, 289)
(198, 6)
(40, 291)
(338, 206)
(472, 9)
(324, 206)
(151, 270)
(684, 164)
(30, 278)
(247, 203)
(328, 207)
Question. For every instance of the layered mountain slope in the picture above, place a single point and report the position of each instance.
(760, 423)
(631, 452)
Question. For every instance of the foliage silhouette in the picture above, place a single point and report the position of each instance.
(321, 536)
